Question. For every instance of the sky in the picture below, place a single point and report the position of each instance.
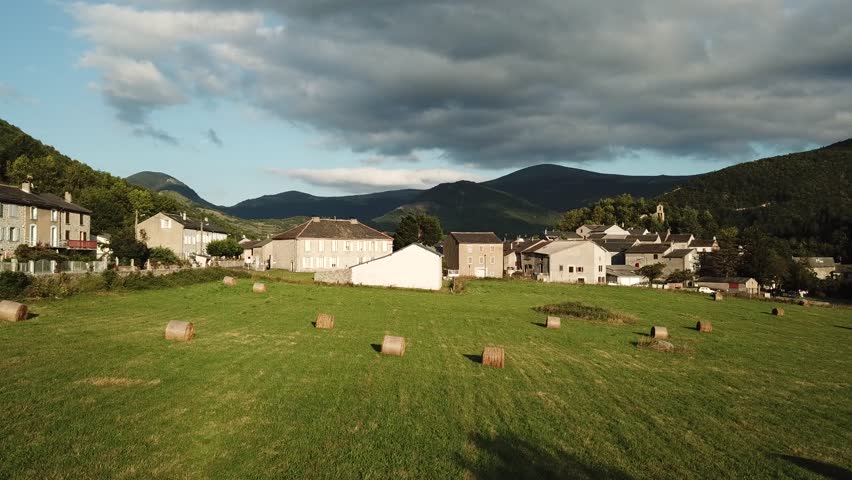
(242, 98)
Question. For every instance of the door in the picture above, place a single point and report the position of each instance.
(479, 272)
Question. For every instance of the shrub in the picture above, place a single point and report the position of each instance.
(52, 286)
(457, 285)
(25, 253)
(163, 256)
(13, 285)
(224, 248)
(586, 312)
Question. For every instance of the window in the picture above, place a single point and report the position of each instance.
(307, 245)
(579, 269)
(570, 269)
(334, 245)
(67, 234)
(304, 262)
(480, 248)
(469, 260)
(492, 248)
(600, 268)
(34, 213)
(54, 215)
(321, 244)
(656, 256)
(13, 234)
(481, 261)
(470, 249)
(2, 233)
(33, 235)
(561, 268)
(1, 210)
(67, 217)
(164, 222)
(13, 211)
(347, 246)
(83, 217)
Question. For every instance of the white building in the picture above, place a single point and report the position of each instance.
(414, 266)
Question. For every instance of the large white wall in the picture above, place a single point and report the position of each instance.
(411, 267)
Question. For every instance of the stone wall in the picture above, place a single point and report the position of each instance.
(333, 276)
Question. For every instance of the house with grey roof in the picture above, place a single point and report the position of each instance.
(647, 254)
(186, 236)
(322, 244)
(679, 240)
(684, 259)
(571, 261)
(823, 267)
(474, 254)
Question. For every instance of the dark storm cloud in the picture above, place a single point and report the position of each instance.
(506, 83)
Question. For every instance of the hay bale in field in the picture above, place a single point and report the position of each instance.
(804, 303)
(659, 332)
(554, 322)
(12, 311)
(717, 296)
(493, 357)
(324, 320)
(392, 345)
(229, 281)
(704, 326)
(778, 312)
(180, 331)
(661, 346)
(259, 288)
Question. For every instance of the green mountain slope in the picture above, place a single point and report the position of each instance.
(294, 203)
(470, 206)
(563, 188)
(161, 182)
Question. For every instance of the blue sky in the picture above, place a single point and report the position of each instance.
(315, 100)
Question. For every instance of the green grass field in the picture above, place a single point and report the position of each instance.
(91, 390)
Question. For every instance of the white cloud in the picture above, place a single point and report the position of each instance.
(366, 179)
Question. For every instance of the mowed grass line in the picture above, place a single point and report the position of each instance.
(90, 388)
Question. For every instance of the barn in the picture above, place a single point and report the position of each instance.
(414, 266)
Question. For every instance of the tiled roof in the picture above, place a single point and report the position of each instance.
(816, 261)
(679, 253)
(702, 243)
(614, 246)
(476, 237)
(679, 237)
(194, 223)
(637, 231)
(12, 194)
(643, 238)
(536, 246)
(622, 271)
(643, 248)
(334, 229)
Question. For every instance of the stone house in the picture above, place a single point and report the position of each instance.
(184, 235)
(685, 259)
(474, 254)
(680, 241)
(647, 254)
(322, 244)
(571, 261)
(31, 218)
(823, 267)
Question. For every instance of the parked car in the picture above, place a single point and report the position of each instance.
(706, 290)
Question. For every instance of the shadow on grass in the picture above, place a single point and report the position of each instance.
(31, 315)
(376, 347)
(841, 326)
(827, 470)
(693, 328)
(539, 324)
(473, 358)
(642, 334)
(508, 456)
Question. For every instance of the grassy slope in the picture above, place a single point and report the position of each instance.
(260, 393)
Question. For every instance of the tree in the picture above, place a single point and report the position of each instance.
(652, 272)
(417, 227)
(799, 277)
(228, 248)
(125, 247)
(680, 276)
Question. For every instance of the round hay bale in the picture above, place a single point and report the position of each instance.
(717, 296)
(704, 326)
(179, 331)
(324, 320)
(554, 322)
(493, 357)
(778, 312)
(12, 311)
(804, 303)
(229, 281)
(392, 345)
(659, 332)
(258, 288)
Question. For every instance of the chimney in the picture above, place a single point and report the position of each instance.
(68, 197)
(183, 215)
(353, 221)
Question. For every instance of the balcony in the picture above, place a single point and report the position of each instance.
(79, 244)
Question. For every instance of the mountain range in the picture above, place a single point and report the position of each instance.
(524, 201)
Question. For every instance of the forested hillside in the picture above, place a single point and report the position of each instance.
(112, 199)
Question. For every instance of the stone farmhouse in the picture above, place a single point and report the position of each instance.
(185, 236)
(474, 254)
